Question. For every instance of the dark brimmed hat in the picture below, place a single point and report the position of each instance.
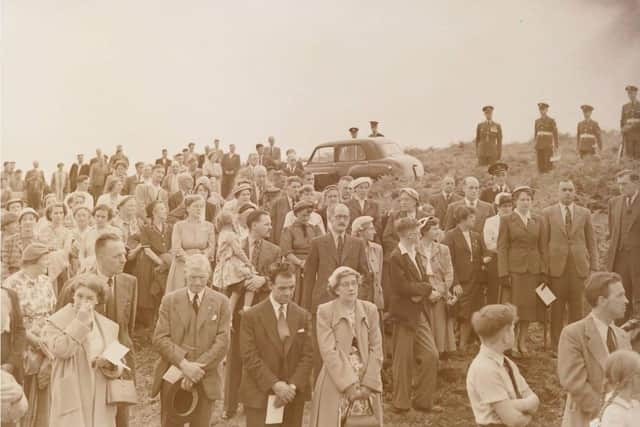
(631, 88)
(497, 168)
(302, 205)
(487, 108)
(353, 129)
(586, 107)
(542, 105)
(182, 403)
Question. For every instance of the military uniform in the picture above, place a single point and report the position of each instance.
(546, 139)
(375, 135)
(630, 125)
(588, 137)
(488, 142)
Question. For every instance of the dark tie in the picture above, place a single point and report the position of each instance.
(340, 247)
(283, 327)
(567, 219)
(611, 340)
(109, 304)
(195, 304)
(509, 369)
(255, 252)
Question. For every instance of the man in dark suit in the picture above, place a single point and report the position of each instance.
(498, 171)
(361, 205)
(192, 334)
(283, 205)
(77, 169)
(132, 181)
(230, 167)
(121, 299)
(275, 343)
(624, 234)
(262, 255)
(328, 252)
(569, 247)
(292, 167)
(412, 336)
(444, 198)
(185, 182)
(483, 210)
(274, 157)
(164, 161)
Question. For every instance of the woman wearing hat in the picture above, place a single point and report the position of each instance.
(192, 235)
(295, 241)
(75, 338)
(330, 197)
(307, 194)
(436, 262)
(13, 246)
(520, 262)
(37, 300)
(241, 194)
(127, 221)
(504, 202)
(112, 193)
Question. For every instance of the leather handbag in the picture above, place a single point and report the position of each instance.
(363, 420)
(121, 391)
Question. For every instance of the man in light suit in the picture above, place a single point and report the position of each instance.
(147, 193)
(192, 334)
(444, 198)
(276, 349)
(584, 347)
(569, 247)
(262, 255)
(484, 210)
(121, 299)
(283, 205)
(60, 183)
(624, 237)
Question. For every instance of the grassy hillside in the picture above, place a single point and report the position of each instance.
(594, 179)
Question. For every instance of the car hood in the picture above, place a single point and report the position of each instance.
(407, 161)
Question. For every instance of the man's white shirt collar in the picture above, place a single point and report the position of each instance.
(192, 295)
(276, 307)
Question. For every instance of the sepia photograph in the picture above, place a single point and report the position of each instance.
(320, 214)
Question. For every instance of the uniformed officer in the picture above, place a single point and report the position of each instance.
(374, 129)
(354, 132)
(630, 124)
(498, 172)
(588, 136)
(545, 138)
(488, 139)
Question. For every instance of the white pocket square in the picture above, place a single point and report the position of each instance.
(215, 316)
(301, 330)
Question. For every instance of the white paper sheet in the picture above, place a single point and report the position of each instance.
(115, 352)
(545, 294)
(274, 415)
(172, 375)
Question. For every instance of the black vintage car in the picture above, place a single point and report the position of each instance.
(372, 157)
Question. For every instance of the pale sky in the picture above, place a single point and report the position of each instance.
(149, 74)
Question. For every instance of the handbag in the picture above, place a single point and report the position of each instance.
(363, 420)
(121, 391)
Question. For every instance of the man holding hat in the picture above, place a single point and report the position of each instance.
(360, 204)
(545, 138)
(630, 123)
(374, 130)
(353, 131)
(498, 172)
(588, 135)
(488, 139)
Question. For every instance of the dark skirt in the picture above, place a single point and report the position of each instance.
(524, 297)
(470, 300)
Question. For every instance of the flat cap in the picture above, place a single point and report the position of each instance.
(631, 88)
(497, 168)
(411, 193)
(361, 180)
(353, 129)
(302, 205)
(34, 251)
(542, 105)
(586, 107)
(487, 108)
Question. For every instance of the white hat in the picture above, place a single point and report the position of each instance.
(360, 181)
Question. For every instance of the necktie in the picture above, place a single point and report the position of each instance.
(254, 253)
(194, 304)
(340, 247)
(283, 327)
(108, 306)
(507, 367)
(567, 219)
(611, 340)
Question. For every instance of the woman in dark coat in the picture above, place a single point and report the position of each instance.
(520, 262)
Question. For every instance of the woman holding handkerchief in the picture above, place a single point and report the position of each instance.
(75, 338)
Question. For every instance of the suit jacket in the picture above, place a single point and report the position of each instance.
(175, 200)
(520, 247)
(273, 154)
(371, 208)
(440, 204)
(147, 193)
(75, 171)
(407, 282)
(130, 185)
(177, 322)
(279, 210)
(489, 194)
(559, 242)
(629, 238)
(267, 360)
(120, 305)
(268, 253)
(230, 163)
(467, 264)
(484, 210)
(581, 358)
(297, 171)
(61, 186)
(323, 260)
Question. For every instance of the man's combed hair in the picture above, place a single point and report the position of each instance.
(105, 238)
(492, 318)
(597, 285)
(402, 225)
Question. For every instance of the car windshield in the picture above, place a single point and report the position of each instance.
(390, 149)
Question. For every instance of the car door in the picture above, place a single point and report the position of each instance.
(352, 160)
(322, 164)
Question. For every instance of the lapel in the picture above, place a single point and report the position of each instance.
(292, 317)
(635, 211)
(362, 330)
(462, 242)
(558, 217)
(270, 324)
(594, 342)
(331, 246)
(206, 309)
(411, 266)
(183, 307)
(349, 245)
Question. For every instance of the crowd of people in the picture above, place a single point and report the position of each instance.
(261, 290)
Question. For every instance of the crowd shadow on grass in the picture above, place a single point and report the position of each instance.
(539, 369)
